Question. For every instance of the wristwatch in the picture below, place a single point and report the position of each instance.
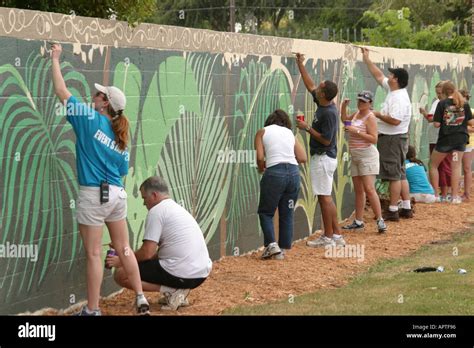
(308, 128)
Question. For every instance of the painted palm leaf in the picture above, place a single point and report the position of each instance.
(419, 96)
(189, 159)
(37, 172)
(260, 92)
(151, 117)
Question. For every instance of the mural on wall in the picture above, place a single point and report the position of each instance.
(195, 100)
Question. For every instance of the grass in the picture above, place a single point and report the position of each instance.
(391, 288)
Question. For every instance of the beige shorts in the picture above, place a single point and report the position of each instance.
(365, 161)
(322, 168)
(91, 212)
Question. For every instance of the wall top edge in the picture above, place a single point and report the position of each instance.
(48, 26)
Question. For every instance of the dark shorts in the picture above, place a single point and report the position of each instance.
(392, 150)
(152, 272)
(450, 148)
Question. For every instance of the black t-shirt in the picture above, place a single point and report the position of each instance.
(453, 130)
(326, 123)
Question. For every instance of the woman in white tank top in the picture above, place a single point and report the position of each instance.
(362, 129)
(278, 155)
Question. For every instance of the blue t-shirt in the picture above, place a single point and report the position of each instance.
(417, 178)
(326, 122)
(98, 157)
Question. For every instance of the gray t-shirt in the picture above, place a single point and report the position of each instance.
(182, 249)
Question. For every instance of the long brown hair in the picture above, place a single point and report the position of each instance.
(450, 90)
(411, 156)
(120, 126)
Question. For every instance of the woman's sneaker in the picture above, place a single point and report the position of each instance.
(381, 226)
(85, 312)
(456, 200)
(321, 242)
(270, 250)
(354, 226)
(143, 307)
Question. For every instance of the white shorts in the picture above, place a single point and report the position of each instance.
(91, 212)
(423, 197)
(322, 168)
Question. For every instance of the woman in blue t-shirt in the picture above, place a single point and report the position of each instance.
(420, 188)
(101, 160)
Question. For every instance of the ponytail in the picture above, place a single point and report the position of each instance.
(120, 126)
(449, 90)
(411, 156)
(458, 99)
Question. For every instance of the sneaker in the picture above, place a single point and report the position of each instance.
(448, 198)
(406, 213)
(339, 241)
(270, 250)
(86, 313)
(175, 298)
(456, 200)
(381, 226)
(143, 307)
(321, 242)
(354, 226)
(280, 256)
(163, 301)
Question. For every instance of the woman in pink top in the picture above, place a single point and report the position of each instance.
(362, 129)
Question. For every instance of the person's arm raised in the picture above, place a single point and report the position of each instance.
(373, 69)
(60, 88)
(307, 80)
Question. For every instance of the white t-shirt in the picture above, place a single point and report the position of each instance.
(433, 132)
(182, 250)
(279, 144)
(397, 104)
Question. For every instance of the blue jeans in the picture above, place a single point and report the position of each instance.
(279, 188)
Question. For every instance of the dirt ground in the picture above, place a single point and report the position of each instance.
(247, 280)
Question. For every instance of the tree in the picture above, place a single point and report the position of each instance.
(394, 29)
(132, 11)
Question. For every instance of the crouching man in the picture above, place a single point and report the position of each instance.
(173, 258)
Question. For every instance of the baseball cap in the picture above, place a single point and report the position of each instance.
(366, 96)
(401, 75)
(114, 95)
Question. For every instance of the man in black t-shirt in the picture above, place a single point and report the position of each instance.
(323, 148)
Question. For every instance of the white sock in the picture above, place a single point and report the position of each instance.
(406, 204)
(358, 222)
(393, 208)
(140, 294)
(336, 236)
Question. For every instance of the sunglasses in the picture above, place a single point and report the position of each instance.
(98, 94)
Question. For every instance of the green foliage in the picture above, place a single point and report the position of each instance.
(132, 11)
(393, 28)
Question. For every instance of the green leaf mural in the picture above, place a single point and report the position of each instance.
(190, 158)
(152, 113)
(260, 92)
(37, 169)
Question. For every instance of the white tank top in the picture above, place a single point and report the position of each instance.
(279, 144)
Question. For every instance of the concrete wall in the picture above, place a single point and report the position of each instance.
(195, 100)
